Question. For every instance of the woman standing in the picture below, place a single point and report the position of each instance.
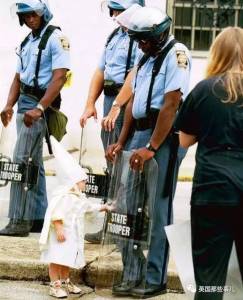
(212, 115)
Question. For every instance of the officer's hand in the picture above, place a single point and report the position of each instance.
(139, 157)
(90, 111)
(108, 123)
(112, 151)
(32, 116)
(6, 115)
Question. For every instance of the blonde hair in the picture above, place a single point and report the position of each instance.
(226, 61)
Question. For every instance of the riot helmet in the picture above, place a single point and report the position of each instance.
(146, 23)
(40, 7)
(121, 5)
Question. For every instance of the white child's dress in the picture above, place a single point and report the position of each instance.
(69, 207)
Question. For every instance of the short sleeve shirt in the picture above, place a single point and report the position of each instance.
(173, 75)
(56, 55)
(218, 126)
(114, 58)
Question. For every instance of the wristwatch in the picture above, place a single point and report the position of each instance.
(115, 104)
(150, 147)
(40, 107)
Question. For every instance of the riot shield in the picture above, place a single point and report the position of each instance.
(19, 172)
(92, 158)
(127, 227)
(179, 236)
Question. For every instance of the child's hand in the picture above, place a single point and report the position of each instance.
(81, 185)
(60, 235)
(58, 225)
(107, 207)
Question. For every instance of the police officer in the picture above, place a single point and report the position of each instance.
(34, 90)
(151, 113)
(117, 59)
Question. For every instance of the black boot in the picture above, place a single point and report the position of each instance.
(37, 225)
(19, 228)
(124, 288)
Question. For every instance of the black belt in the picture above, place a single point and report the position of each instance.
(31, 90)
(147, 122)
(37, 94)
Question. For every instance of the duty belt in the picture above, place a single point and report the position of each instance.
(111, 88)
(147, 122)
(38, 93)
(31, 90)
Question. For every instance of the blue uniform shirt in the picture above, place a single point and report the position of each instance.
(56, 55)
(114, 59)
(174, 75)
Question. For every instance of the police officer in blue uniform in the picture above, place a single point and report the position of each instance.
(117, 59)
(151, 113)
(34, 91)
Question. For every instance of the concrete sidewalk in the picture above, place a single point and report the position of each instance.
(19, 260)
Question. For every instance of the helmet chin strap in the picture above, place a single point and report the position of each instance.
(162, 41)
(159, 42)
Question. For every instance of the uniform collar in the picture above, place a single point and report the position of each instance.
(34, 38)
(122, 31)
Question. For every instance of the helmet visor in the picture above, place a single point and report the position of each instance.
(26, 6)
(124, 18)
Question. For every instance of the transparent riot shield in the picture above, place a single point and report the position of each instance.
(19, 171)
(93, 144)
(127, 226)
(179, 236)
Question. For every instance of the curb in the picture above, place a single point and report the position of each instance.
(19, 260)
(187, 178)
(30, 270)
(91, 279)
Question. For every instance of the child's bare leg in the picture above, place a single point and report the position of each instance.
(54, 271)
(64, 272)
(56, 289)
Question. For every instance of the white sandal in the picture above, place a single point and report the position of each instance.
(56, 290)
(70, 287)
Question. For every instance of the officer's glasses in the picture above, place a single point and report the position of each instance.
(141, 41)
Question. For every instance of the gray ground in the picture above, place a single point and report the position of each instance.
(19, 290)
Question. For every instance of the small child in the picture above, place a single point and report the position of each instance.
(62, 236)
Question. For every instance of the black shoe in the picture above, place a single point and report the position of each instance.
(16, 228)
(124, 288)
(94, 238)
(37, 225)
(149, 290)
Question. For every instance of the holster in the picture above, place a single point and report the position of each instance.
(111, 88)
(147, 122)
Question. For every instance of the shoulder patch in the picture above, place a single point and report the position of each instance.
(182, 60)
(64, 42)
